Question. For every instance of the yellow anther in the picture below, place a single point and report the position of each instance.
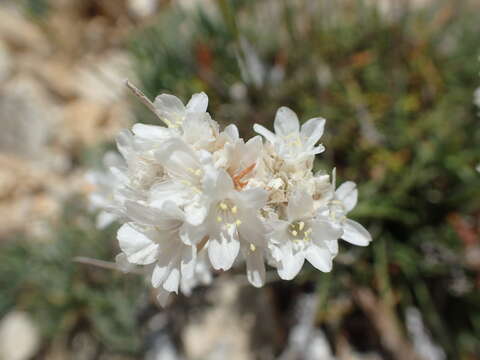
(234, 209)
(294, 233)
(223, 206)
(253, 247)
(238, 222)
(301, 225)
(198, 172)
(219, 219)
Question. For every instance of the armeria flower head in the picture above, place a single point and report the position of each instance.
(290, 141)
(193, 198)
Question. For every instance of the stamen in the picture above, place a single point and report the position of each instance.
(234, 209)
(253, 247)
(237, 178)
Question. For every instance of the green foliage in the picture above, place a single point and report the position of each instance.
(397, 94)
(36, 8)
(66, 297)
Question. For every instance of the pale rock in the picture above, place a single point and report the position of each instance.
(19, 337)
(142, 8)
(83, 119)
(27, 117)
(102, 79)
(20, 33)
(29, 194)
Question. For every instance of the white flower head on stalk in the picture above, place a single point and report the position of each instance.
(192, 198)
(290, 141)
(301, 236)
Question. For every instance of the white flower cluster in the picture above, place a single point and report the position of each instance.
(193, 197)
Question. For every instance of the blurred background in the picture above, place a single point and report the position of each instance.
(395, 81)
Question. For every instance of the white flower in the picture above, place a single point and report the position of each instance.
(161, 237)
(291, 142)
(303, 236)
(186, 170)
(103, 196)
(236, 156)
(233, 218)
(173, 112)
(344, 201)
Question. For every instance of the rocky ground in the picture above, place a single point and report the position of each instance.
(61, 91)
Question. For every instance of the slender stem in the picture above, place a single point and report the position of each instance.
(101, 264)
(143, 98)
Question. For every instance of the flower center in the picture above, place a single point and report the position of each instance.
(227, 214)
(300, 231)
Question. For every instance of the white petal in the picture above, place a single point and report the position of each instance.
(231, 131)
(169, 217)
(170, 190)
(172, 281)
(348, 194)
(169, 106)
(179, 159)
(223, 251)
(255, 268)
(286, 122)
(192, 234)
(355, 234)
(324, 230)
(187, 262)
(254, 198)
(332, 246)
(198, 103)
(224, 183)
(252, 229)
(104, 219)
(151, 132)
(319, 257)
(158, 275)
(291, 264)
(267, 134)
(300, 204)
(196, 212)
(253, 150)
(142, 214)
(138, 247)
(125, 143)
(312, 131)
